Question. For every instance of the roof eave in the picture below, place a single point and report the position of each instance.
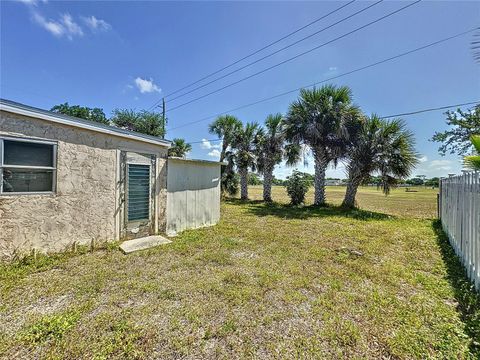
(83, 125)
(200, 161)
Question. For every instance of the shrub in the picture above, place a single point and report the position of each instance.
(230, 183)
(297, 187)
(254, 179)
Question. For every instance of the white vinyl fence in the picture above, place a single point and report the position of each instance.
(459, 211)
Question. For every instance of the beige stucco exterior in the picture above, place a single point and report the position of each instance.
(87, 204)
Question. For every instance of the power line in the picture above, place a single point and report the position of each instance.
(430, 109)
(329, 79)
(277, 51)
(296, 56)
(390, 116)
(259, 50)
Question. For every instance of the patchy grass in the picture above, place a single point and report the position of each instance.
(49, 327)
(269, 281)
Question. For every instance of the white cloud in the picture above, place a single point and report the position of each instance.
(96, 24)
(32, 2)
(214, 153)
(71, 26)
(66, 26)
(208, 145)
(53, 27)
(441, 164)
(423, 158)
(332, 68)
(146, 86)
(439, 167)
(28, 2)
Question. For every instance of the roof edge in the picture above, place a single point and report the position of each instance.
(208, 162)
(26, 110)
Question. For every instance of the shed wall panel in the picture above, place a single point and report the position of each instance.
(193, 195)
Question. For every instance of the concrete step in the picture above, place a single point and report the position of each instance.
(143, 243)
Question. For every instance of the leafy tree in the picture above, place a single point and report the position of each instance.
(245, 146)
(179, 148)
(145, 122)
(457, 139)
(297, 186)
(225, 127)
(376, 180)
(272, 149)
(380, 146)
(432, 182)
(321, 119)
(83, 112)
(473, 161)
(308, 177)
(254, 179)
(414, 181)
(277, 182)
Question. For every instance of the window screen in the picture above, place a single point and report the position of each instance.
(27, 166)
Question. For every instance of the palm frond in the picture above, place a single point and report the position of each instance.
(384, 146)
(473, 161)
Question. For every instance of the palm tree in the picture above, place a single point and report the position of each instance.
(272, 149)
(245, 143)
(179, 148)
(225, 128)
(230, 179)
(473, 161)
(382, 146)
(320, 119)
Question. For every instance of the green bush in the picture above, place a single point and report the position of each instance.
(297, 186)
(230, 183)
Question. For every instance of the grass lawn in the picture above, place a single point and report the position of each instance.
(269, 281)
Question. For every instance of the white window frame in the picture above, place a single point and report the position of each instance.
(52, 168)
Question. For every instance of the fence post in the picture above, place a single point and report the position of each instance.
(439, 199)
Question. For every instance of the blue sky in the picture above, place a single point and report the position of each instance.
(130, 54)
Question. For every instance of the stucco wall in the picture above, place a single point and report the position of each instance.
(86, 204)
(193, 199)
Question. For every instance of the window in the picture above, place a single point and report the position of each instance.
(27, 166)
(138, 192)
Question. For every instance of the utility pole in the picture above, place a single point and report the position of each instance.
(163, 117)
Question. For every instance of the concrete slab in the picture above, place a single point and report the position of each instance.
(143, 243)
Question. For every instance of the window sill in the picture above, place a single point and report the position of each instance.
(47, 193)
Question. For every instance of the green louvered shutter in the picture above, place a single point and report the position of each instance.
(138, 192)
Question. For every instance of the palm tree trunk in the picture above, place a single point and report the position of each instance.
(321, 164)
(224, 150)
(267, 183)
(243, 183)
(354, 180)
(223, 168)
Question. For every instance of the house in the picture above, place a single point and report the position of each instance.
(67, 180)
(333, 182)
